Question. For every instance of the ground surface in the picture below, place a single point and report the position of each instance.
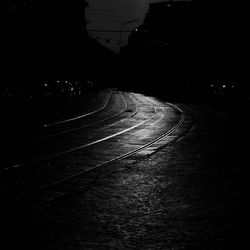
(188, 195)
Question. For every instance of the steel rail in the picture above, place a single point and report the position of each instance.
(79, 147)
(67, 120)
(114, 160)
(84, 126)
(80, 116)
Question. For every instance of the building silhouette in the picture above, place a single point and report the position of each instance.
(189, 39)
(45, 39)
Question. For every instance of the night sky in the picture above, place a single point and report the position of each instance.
(110, 15)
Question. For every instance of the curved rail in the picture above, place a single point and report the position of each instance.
(116, 159)
(84, 126)
(79, 147)
(80, 116)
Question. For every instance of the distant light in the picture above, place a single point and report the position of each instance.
(45, 85)
(224, 86)
(136, 30)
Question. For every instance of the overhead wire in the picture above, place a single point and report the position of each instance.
(102, 14)
(114, 12)
(122, 10)
(107, 39)
(118, 17)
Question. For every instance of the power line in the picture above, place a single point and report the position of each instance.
(118, 10)
(102, 14)
(96, 30)
(114, 12)
(110, 39)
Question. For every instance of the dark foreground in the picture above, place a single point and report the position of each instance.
(189, 195)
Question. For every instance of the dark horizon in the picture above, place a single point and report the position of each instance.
(145, 149)
(61, 47)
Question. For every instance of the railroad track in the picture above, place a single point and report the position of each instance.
(63, 131)
(90, 156)
(64, 126)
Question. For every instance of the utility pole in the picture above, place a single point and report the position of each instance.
(126, 23)
(84, 5)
